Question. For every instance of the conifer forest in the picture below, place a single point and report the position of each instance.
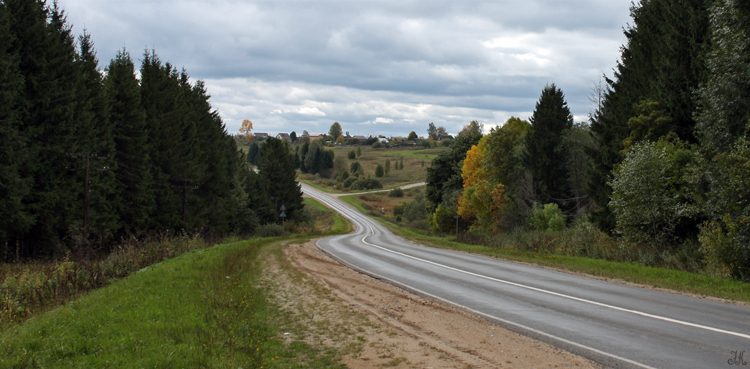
(90, 156)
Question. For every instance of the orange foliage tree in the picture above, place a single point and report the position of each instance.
(246, 129)
(483, 199)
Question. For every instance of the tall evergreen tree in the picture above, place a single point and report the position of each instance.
(95, 147)
(132, 168)
(279, 178)
(663, 61)
(177, 167)
(725, 97)
(47, 55)
(545, 154)
(15, 219)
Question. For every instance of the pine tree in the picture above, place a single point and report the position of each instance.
(545, 155)
(132, 169)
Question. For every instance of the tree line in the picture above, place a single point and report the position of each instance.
(90, 156)
(662, 163)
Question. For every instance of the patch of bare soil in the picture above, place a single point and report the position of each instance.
(374, 324)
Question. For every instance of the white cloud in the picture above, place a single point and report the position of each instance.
(391, 66)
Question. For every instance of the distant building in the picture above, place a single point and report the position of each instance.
(284, 136)
(261, 136)
(443, 137)
(316, 136)
(360, 137)
(383, 140)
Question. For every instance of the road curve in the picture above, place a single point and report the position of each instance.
(614, 324)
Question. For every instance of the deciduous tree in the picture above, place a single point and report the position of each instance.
(246, 129)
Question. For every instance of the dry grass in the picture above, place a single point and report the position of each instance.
(416, 161)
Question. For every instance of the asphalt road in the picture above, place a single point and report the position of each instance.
(614, 324)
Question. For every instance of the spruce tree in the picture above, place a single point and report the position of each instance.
(132, 169)
(545, 155)
(177, 165)
(15, 218)
(279, 178)
(95, 147)
(663, 61)
(49, 119)
(725, 97)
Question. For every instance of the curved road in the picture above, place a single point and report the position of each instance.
(614, 324)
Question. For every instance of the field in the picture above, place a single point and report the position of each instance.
(416, 161)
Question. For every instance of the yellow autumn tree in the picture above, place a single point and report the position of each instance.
(246, 129)
(482, 200)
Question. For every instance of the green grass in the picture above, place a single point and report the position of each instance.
(204, 309)
(676, 280)
(413, 171)
(339, 224)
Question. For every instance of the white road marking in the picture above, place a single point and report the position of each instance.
(591, 349)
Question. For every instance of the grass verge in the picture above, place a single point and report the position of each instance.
(203, 309)
(676, 280)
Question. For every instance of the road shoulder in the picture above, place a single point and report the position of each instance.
(377, 324)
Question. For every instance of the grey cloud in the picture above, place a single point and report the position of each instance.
(358, 61)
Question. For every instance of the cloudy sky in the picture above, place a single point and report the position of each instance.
(377, 67)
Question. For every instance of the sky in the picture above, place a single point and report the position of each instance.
(376, 67)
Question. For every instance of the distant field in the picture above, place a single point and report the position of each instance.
(416, 162)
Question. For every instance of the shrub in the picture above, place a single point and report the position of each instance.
(379, 171)
(349, 182)
(377, 145)
(547, 218)
(366, 184)
(726, 245)
(442, 220)
(650, 193)
(396, 192)
(355, 167)
(352, 155)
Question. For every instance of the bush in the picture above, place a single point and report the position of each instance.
(366, 184)
(379, 171)
(726, 245)
(396, 192)
(547, 218)
(352, 155)
(442, 220)
(355, 167)
(349, 182)
(650, 193)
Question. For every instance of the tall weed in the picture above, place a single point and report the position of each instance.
(30, 288)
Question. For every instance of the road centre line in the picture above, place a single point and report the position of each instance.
(361, 220)
(617, 308)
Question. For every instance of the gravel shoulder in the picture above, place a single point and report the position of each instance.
(374, 324)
